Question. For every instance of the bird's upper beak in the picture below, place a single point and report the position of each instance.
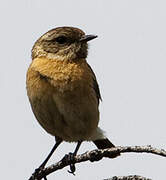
(87, 38)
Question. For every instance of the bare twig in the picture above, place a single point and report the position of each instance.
(97, 155)
(131, 177)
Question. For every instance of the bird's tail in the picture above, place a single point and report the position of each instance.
(104, 144)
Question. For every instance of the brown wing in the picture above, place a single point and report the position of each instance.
(95, 85)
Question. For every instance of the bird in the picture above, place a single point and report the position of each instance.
(63, 91)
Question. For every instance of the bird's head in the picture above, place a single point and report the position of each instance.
(62, 43)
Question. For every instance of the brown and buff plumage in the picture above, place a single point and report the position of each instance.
(63, 98)
(63, 90)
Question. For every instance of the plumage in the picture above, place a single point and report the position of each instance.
(63, 93)
(63, 90)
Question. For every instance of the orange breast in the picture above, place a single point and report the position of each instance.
(63, 75)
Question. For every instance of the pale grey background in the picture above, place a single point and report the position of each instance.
(129, 59)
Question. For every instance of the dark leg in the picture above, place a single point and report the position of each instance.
(58, 142)
(77, 147)
(71, 158)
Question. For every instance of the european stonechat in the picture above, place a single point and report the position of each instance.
(63, 90)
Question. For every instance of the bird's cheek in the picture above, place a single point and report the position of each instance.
(50, 48)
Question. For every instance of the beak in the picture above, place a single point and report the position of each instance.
(87, 38)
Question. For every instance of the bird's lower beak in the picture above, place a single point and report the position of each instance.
(87, 38)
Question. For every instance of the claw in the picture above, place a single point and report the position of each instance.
(35, 174)
(72, 169)
(69, 158)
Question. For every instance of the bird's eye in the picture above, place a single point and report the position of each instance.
(61, 39)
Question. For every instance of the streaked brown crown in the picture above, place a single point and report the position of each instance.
(62, 43)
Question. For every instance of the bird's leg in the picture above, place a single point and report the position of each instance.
(71, 156)
(58, 142)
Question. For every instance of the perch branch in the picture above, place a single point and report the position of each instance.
(131, 177)
(96, 155)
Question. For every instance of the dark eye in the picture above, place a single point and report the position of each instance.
(61, 39)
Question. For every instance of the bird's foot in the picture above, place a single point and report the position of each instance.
(69, 158)
(36, 173)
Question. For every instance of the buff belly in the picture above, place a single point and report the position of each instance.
(71, 115)
(71, 118)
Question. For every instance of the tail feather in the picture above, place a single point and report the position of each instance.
(104, 144)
